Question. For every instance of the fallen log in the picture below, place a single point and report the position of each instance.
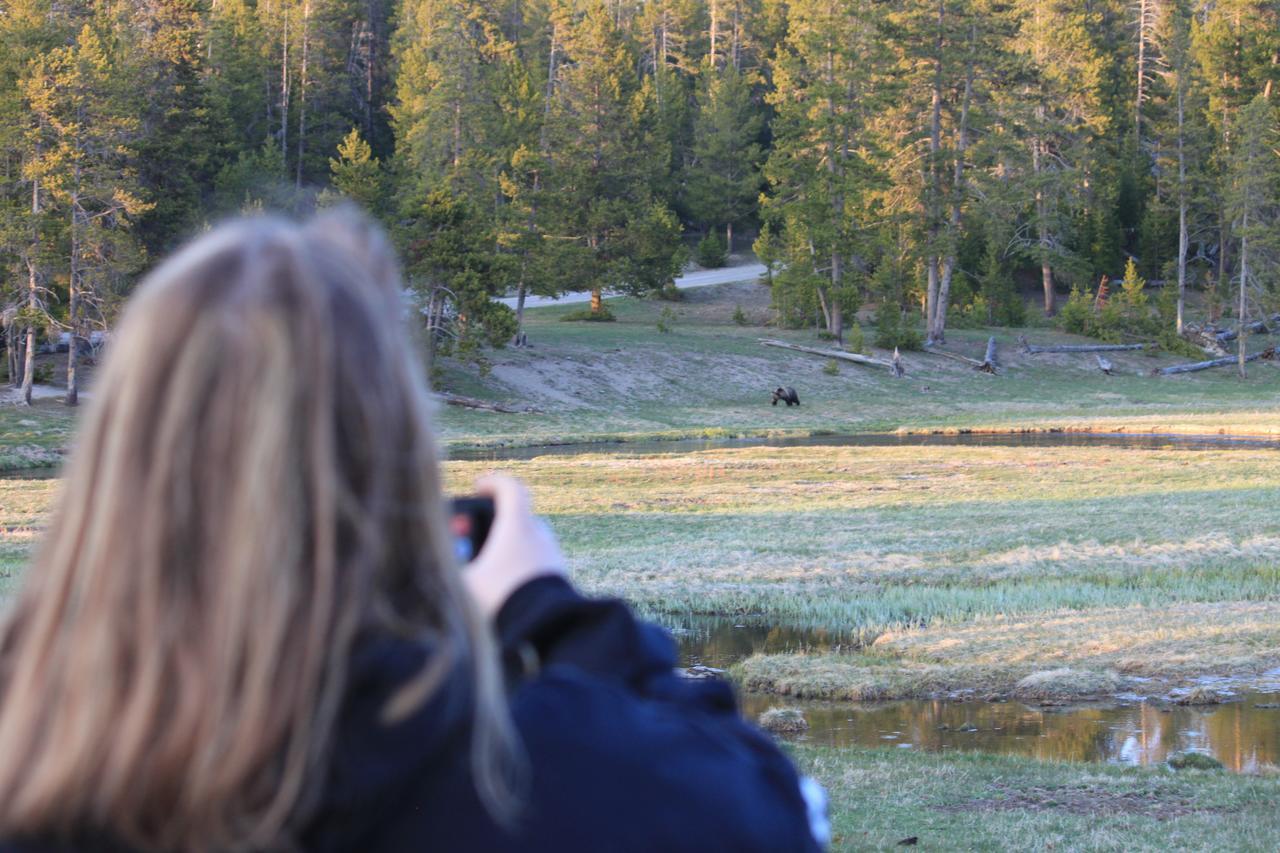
(1258, 327)
(473, 403)
(1205, 339)
(1268, 353)
(954, 356)
(987, 365)
(830, 353)
(1033, 349)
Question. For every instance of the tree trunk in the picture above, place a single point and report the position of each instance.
(715, 23)
(1269, 353)
(431, 331)
(33, 297)
(302, 99)
(1244, 278)
(284, 90)
(1182, 208)
(29, 365)
(728, 239)
(931, 296)
(958, 190)
(934, 186)
(835, 320)
(829, 353)
(521, 290)
(597, 305)
(1046, 277)
(12, 355)
(73, 315)
(1042, 231)
(1144, 24)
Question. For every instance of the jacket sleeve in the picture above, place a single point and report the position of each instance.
(611, 728)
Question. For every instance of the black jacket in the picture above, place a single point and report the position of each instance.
(623, 754)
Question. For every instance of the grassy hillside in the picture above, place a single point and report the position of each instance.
(709, 375)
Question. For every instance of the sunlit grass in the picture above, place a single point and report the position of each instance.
(889, 548)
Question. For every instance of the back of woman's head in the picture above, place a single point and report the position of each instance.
(255, 484)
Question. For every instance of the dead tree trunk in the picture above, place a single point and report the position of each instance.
(989, 363)
(473, 403)
(1269, 353)
(830, 353)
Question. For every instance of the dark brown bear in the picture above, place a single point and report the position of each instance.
(786, 395)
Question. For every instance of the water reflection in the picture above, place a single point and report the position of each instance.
(1244, 735)
(1240, 735)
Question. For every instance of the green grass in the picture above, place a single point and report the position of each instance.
(598, 381)
(900, 550)
(974, 801)
(34, 436)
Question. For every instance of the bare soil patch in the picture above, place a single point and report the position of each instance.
(1085, 800)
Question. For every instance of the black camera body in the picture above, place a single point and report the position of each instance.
(470, 518)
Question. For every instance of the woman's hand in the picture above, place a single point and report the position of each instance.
(520, 546)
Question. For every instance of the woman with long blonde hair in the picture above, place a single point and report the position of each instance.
(245, 629)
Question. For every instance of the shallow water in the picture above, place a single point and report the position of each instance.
(1135, 441)
(1241, 734)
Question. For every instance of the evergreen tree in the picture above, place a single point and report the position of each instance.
(1253, 203)
(356, 175)
(81, 96)
(724, 176)
(175, 145)
(602, 160)
(817, 172)
(27, 29)
(1060, 114)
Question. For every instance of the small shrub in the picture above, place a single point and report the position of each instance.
(666, 319)
(1194, 761)
(1075, 316)
(895, 330)
(712, 252)
(824, 335)
(783, 721)
(43, 374)
(1174, 344)
(670, 293)
(855, 341)
(831, 368)
(739, 318)
(586, 315)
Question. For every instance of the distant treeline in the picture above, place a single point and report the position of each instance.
(924, 154)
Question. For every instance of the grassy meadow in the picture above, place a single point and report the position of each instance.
(948, 569)
(710, 376)
(1055, 573)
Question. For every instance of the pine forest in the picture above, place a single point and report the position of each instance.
(947, 161)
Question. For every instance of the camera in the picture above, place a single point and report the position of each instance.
(470, 518)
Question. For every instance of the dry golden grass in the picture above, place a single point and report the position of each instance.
(1057, 656)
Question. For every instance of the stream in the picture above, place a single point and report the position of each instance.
(1244, 734)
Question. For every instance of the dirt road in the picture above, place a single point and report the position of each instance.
(702, 278)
